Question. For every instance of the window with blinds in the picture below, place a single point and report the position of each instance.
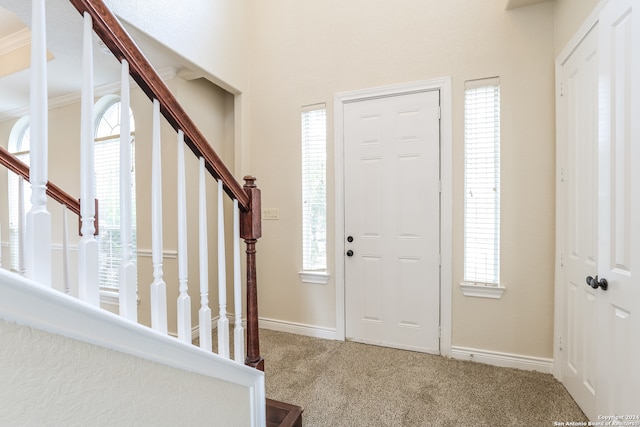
(314, 199)
(19, 146)
(482, 181)
(107, 176)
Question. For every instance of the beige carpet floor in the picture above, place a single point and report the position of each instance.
(351, 384)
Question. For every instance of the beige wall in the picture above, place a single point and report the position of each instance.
(211, 108)
(211, 34)
(305, 52)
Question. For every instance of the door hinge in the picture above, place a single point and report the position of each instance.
(561, 91)
(439, 186)
(439, 331)
(439, 112)
(440, 260)
(561, 259)
(560, 343)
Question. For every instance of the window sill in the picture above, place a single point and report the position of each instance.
(112, 297)
(482, 290)
(317, 277)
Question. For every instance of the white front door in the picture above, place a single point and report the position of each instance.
(578, 198)
(618, 345)
(599, 205)
(392, 220)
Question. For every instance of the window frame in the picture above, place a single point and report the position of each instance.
(15, 147)
(482, 122)
(313, 122)
(101, 108)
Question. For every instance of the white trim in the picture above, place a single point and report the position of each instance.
(20, 38)
(146, 253)
(482, 290)
(27, 303)
(317, 277)
(298, 329)
(504, 360)
(446, 198)
(584, 29)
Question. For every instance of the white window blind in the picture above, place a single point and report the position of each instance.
(107, 176)
(20, 148)
(482, 181)
(314, 200)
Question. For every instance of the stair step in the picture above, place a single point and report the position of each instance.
(280, 414)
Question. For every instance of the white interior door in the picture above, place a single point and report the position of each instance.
(599, 201)
(619, 212)
(392, 220)
(578, 195)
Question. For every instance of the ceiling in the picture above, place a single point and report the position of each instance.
(64, 44)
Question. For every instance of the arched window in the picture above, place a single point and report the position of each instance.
(19, 146)
(107, 174)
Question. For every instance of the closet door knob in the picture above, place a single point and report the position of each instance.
(595, 283)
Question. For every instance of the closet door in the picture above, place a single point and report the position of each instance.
(578, 221)
(599, 217)
(618, 344)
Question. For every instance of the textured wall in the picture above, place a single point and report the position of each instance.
(49, 380)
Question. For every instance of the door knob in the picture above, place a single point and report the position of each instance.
(349, 252)
(595, 283)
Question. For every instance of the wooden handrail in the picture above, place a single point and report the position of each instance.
(18, 167)
(116, 38)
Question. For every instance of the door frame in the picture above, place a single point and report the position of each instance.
(446, 200)
(561, 147)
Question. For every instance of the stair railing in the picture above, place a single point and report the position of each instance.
(68, 203)
(246, 199)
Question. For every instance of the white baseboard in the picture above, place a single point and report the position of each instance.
(505, 360)
(298, 328)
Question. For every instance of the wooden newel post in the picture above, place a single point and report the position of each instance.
(251, 231)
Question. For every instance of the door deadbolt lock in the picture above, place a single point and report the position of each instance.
(350, 239)
(349, 252)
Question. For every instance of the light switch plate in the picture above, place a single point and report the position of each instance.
(270, 213)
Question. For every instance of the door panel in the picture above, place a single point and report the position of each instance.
(579, 192)
(392, 210)
(619, 237)
(602, 192)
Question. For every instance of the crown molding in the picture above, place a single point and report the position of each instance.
(15, 41)
(166, 73)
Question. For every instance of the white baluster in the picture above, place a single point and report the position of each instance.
(22, 228)
(158, 287)
(205, 311)
(88, 249)
(128, 271)
(38, 241)
(184, 301)
(65, 251)
(223, 322)
(238, 330)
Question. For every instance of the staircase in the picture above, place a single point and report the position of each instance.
(72, 313)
